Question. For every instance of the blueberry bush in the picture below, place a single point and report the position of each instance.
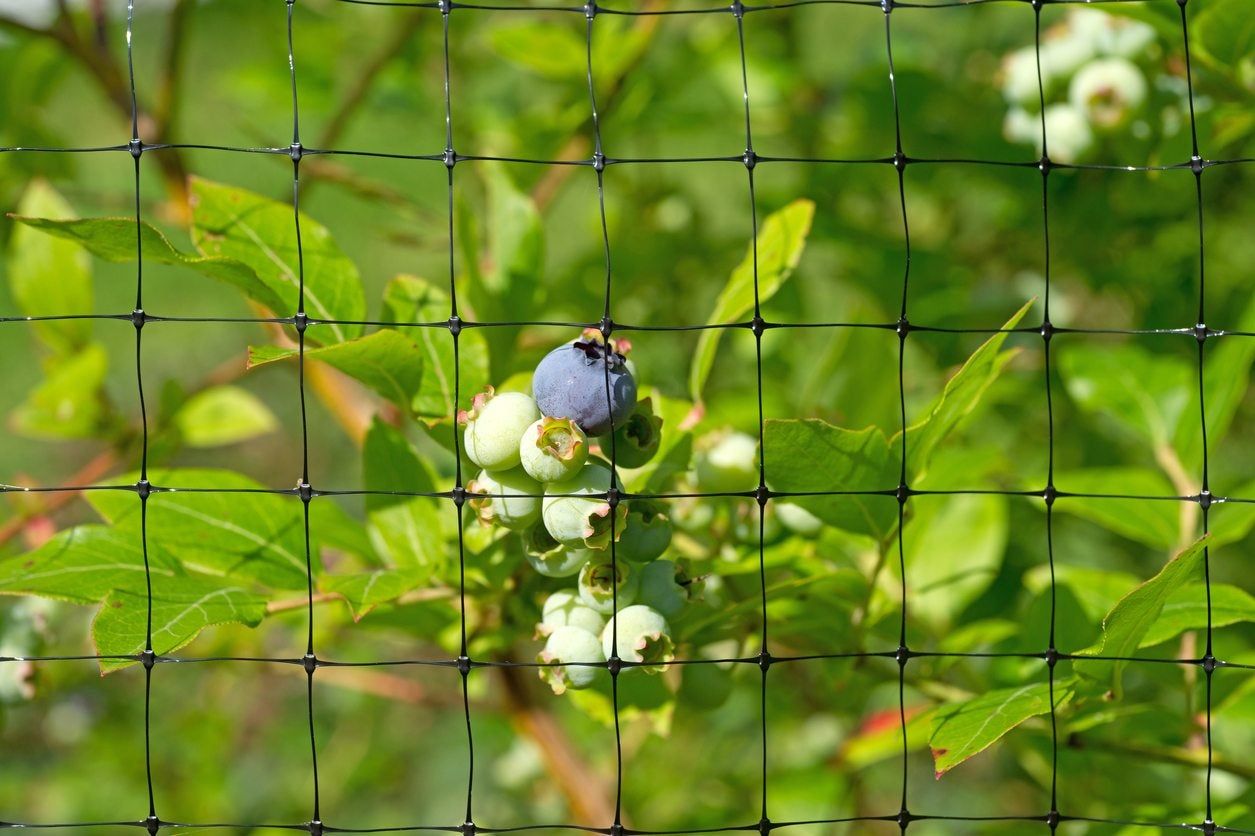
(542, 422)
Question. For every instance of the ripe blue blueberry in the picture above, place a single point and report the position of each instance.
(636, 440)
(574, 518)
(598, 581)
(665, 587)
(508, 498)
(640, 634)
(646, 534)
(729, 463)
(553, 449)
(565, 609)
(565, 646)
(570, 382)
(494, 425)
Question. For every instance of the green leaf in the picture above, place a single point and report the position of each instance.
(251, 536)
(84, 564)
(960, 396)
(364, 591)
(113, 239)
(181, 609)
(1156, 524)
(552, 51)
(954, 549)
(1129, 621)
(1225, 29)
(408, 531)
(961, 730)
(1232, 521)
(1226, 377)
(1136, 391)
(223, 415)
(244, 226)
(386, 361)
(50, 276)
(411, 299)
(1186, 609)
(781, 240)
(813, 455)
(67, 404)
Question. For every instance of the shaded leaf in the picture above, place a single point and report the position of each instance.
(408, 531)
(1225, 29)
(781, 240)
(386, 361)
(180, 611)
(552, 51)
(813, 455)
(1130, 620)
(67, 404)
(1135, 390)
(961, 730)
(50, 276)
(223, 415)
(954, 549)
(1156, 524)
(1186, 609)
(1226, 377)
(235, 223)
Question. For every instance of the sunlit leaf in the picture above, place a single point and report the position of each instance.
(84, 564)
(386, 361)
(1154, 523)
(815, 456)
(961, 730)
(781, 240)
(1130, 620)
(50, 276)
(231, 222)
(408, 531)
(223, 415)
(180, 611)
(363, 591)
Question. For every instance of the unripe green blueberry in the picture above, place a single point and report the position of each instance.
(598, 581)
(665, 587)
(729, 463)
(1067, 132)
(494, 426)
(1019, 77)
(636, 440)
(565, 646)
(574, 518)
(565, 609)
(549, 557)
(798, 520)
(705, 686)
(640, 634)
(508, 498)
(553, 449)
(646, 533)
(1108, 92)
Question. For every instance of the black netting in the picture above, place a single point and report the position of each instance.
(1196, 330)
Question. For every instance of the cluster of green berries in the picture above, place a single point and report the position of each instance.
(1090, 80)
(545, 474)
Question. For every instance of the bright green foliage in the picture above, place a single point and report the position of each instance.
(223, 415)
(781, 239)
(1127, 624)
(960, 730)
(387, 361)
(48, 276)
(68, 403)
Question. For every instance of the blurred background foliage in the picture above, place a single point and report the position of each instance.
(228, 739)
